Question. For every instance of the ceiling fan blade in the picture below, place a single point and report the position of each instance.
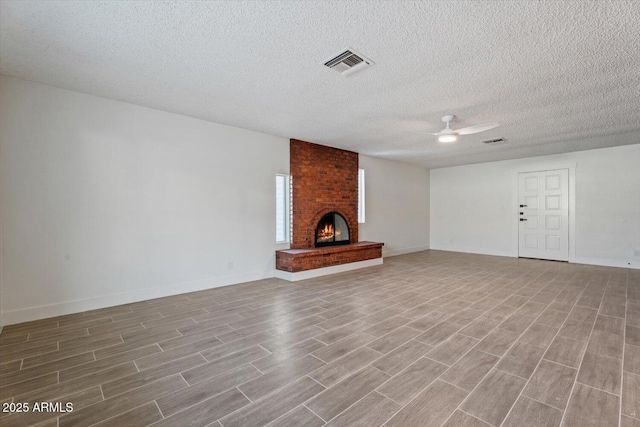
(477, 128)
(420, 133)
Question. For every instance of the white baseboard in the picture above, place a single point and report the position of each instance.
(77, 306)
(602, 262)
(608, 262)
(69, 307)
(478, 251)
(395, 252)
(318, 272)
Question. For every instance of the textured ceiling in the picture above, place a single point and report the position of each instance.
(558, 76)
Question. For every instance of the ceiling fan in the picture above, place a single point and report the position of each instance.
(451, 135)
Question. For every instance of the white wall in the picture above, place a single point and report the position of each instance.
(473, 207)
(397, 206)
(104, 202)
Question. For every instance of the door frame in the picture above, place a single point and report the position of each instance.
(541, 166)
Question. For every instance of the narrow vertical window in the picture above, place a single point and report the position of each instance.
(282, 208)
(361, 196)
(290, 179)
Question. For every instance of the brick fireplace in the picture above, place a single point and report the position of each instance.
(324, 181)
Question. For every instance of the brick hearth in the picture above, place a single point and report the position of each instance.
(295, 260)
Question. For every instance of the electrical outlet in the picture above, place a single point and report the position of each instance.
(636, 253)
(230, 265)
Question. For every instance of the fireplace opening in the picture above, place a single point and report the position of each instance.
(332, 230)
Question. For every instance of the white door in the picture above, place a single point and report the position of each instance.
(543, 214)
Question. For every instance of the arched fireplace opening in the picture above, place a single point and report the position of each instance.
(332, 230)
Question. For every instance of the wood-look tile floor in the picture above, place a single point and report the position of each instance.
(427, 339)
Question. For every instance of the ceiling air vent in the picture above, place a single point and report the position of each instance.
(348, 62)
(495, 141)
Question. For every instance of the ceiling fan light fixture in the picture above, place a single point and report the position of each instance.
(449, 137)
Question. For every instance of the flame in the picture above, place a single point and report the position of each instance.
(326, 233)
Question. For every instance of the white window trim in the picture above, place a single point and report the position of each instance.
(285, 208)
(361, 191)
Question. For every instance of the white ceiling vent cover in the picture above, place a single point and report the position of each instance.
(348, 62)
